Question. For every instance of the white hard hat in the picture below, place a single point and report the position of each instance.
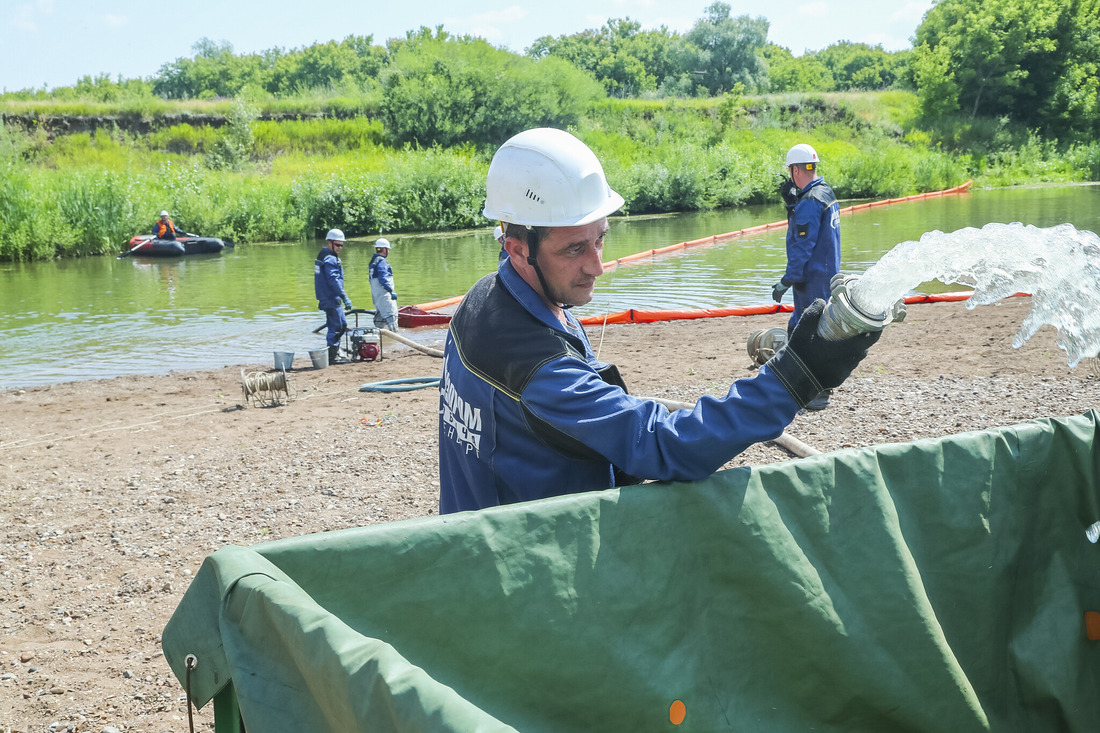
(546, 177)
(334, 235)
(164, 213)
(801, 153)
(381, 243)
(498, 233)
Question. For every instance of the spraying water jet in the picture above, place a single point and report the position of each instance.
(1058, 266)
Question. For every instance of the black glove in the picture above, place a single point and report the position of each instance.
(779, 289)
(788, 190)
(394, 296)
(809, 364)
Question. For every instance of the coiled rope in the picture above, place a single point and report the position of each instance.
(264, 387)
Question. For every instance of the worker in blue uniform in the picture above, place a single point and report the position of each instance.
(813, 233)
(328, 286)
(813, 239)
(382, 290)
(527, 411)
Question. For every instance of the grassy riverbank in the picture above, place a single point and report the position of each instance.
(256, 179)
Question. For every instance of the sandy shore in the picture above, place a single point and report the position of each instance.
(112, 492)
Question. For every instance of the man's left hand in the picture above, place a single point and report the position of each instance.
(788, 190)
(779, 289)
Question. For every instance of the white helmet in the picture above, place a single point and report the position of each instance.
(382, 243)
(801, 154)
(164, 213)
(334, 235)
(498, 233)
(548, 178)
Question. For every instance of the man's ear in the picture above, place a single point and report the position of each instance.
(516, 248)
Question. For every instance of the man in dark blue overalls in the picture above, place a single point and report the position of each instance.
(813, 239)
(328, 286)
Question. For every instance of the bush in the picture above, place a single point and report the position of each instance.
(451, 92)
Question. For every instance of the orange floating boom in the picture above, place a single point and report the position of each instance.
(961, 188)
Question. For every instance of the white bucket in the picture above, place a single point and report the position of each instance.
(283, 359)
(319, 357)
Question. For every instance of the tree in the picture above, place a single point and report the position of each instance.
(1073, 107)
(730, 49)
(625, 59)
(789, 74)
(443, 90)
(994, 51)
(859, 66)
(1032, 61)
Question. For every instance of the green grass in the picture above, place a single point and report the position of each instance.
(329, 165)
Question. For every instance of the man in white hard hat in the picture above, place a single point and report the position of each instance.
(381, 286)
(813, 239)
(526, 411)
(165, 228)
(328, 285)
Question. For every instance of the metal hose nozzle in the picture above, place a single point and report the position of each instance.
(842, 319)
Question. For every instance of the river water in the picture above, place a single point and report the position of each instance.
(104, 317)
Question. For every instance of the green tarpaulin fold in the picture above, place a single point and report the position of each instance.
(940, 585)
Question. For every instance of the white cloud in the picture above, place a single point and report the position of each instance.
(115, 21)
(813, 10)
(911, 14)
(25, 17)
(491, 26)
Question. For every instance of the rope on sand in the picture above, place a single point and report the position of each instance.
(409, 342)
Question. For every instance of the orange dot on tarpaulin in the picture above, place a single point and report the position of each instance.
(677, 712)
(1092, 625)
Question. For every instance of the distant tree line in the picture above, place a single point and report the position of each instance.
(1034, 62)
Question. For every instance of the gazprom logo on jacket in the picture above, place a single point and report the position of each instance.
(462, 422)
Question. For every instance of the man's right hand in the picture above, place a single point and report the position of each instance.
(347, 303)
(809, 363)
(779, 289)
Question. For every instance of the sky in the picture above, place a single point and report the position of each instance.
(55, 42)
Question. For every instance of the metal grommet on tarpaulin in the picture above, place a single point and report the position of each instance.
(190, 661)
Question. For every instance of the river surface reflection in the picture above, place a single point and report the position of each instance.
(103, 317)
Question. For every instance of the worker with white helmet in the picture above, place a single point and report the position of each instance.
(328, 285)
(165, 228)
(527, 411)
(813, 239)
(381, 286)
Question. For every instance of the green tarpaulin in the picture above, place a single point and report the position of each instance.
(941, 585)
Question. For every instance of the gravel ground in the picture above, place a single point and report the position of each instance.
(112, 492)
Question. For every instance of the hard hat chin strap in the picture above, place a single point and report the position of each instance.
(533, 261)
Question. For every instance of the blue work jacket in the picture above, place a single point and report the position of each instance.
(328, 280)
(813, 245)
(380, 272)
(526, 411)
